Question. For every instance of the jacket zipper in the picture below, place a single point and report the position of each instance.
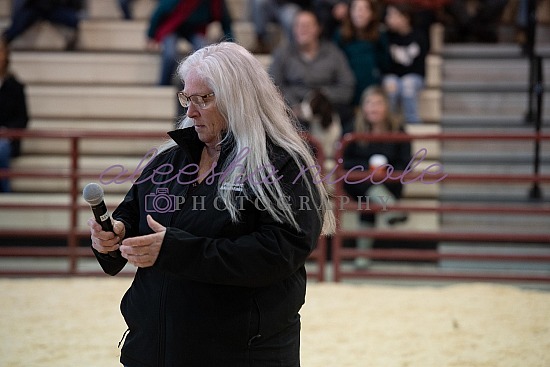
(258, 335)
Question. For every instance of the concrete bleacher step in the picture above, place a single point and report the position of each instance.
(124, 102)
(515, 70)
(42, 67)
(5, 8)
(429, 105)
(459, 122)
(479, 103)
(86, 68)
(120, 35)
(500, 224)
(109, 9)
(470, 51)
(142, 9)
(434, 66)
(501, 161)
(59, 164)
(96, 146)
(77, 68)
(41, 36)
(141, 102)
(497, 192)
(432, 146)
(112, 35)
(47, 219)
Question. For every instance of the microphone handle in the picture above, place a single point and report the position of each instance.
(102, 217)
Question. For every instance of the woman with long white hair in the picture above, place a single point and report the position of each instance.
(219, 224)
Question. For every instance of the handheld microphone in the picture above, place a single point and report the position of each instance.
(93, 194)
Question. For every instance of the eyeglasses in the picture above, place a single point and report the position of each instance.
(196, 99)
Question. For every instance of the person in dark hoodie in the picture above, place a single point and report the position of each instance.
(219, 224)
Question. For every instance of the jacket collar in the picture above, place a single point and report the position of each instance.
(188, 139)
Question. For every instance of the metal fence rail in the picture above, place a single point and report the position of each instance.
(73, 252)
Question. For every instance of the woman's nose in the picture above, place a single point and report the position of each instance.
(192, 110)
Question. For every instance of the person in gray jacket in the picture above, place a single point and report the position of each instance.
(311, 63)
(219, 224)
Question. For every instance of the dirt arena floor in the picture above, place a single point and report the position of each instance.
(76, 322)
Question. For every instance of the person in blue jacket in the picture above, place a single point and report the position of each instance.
(219, 225)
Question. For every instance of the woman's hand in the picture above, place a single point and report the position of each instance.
(143, 251)
(105, 242)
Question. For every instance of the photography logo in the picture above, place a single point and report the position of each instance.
(162, 202)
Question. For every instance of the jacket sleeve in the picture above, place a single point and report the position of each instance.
(271, 252)
(341, 91)
(20, 116)
(163, 9)
(127, 212)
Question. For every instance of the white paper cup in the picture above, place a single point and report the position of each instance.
(376, 160)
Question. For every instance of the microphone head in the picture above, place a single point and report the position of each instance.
(93, 193)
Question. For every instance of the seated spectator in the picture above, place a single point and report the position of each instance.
(481, 26)
(188, 19)
(310, 63)
(331, 13)
(364, 44)
(13, 113)
(404, 77)
(375, 117)
(28, 12)
(280, 11)
(425, 13)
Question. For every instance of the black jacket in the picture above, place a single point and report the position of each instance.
(220, 293)
(13, 109)
(397, 153)
(408, 53)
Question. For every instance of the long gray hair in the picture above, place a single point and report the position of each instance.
(255, 112)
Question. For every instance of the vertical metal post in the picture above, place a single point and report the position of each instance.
(72, 237)
(529, 51)
(537, 92)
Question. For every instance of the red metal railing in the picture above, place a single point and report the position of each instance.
(341, 253)
(74, 252)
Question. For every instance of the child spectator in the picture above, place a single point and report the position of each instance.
(375, 117)
(425, 13)
(404, 78)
